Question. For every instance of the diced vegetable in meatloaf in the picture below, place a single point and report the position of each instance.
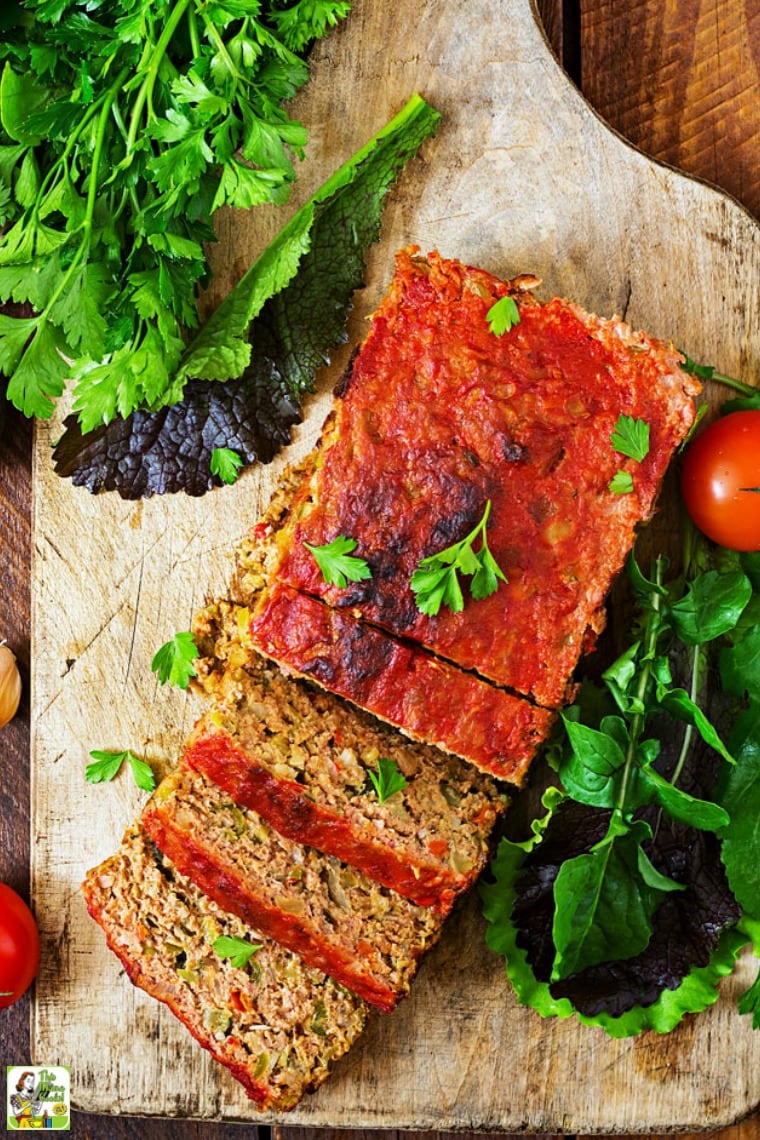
(304, 760)
(365, 936)
(438, 424)
(275, 1022)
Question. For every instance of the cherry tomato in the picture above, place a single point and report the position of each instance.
(720, 481)
(19, 946)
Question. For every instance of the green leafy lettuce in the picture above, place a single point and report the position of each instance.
(639, 884)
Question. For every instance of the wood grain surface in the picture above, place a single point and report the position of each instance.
(14, 502)
(694, 69)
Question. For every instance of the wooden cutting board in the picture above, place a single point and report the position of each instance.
(522, 177)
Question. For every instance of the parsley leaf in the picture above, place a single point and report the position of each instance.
(436, 579)
(238, 950)
(122, 135)
(503, 315)
(387, 780)
(631, 437)
(336, 563)
(621, 483)
(226, 464)
(175, 660)
(261, 349)
(108, 764)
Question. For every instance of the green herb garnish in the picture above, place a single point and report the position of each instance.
(387, 780)
(631, 437)
(125, 127)
(175, 660)
(436, 579)
(108, 764)
(503, 315)
(226, 464)
(238, 950)
(621, 483)
(337, 564)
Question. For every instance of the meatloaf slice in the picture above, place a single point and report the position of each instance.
(276, 1023)
(303, 759)
(365, 936)
(430, 699)
(439, 418)
(403, 686)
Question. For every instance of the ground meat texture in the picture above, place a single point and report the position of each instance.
(426, 697)
(276, 1023)
(367, 937)
(302, 759)
(438, 416)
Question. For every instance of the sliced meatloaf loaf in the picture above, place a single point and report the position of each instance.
(439, 420)
(304, 760)
(415, 691)
(275, 1022)
(430, 699)
(365, 936)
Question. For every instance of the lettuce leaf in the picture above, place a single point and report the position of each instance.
(695, 941)
(739, 790)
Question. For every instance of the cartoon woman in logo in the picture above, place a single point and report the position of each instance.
(26, 1109)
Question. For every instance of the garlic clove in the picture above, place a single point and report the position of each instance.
(10, 685)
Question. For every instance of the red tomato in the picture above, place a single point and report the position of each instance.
(720, 481)
(19, 946)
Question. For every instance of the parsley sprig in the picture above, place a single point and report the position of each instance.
(124, 127)
(630, 437)
(238, 950)
(225, 464)
(337, 564)
(503, 315)
(107, 766)
(388, 779)
(436, 579)
(174, 662)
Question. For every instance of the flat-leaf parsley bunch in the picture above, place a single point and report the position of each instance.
(124, 125)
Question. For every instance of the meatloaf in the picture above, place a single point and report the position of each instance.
(303, 759)
(275, 1022)
(391, 679)
(437, 420)
(367, 937)
(430, 699)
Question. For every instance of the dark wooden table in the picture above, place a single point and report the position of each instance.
(678, 78)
